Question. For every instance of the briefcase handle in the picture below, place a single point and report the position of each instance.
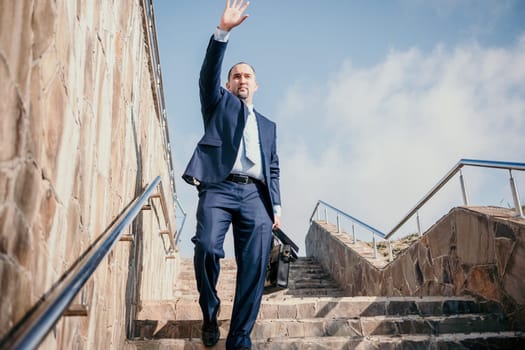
(285, 239)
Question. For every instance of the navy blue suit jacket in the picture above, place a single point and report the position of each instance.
(224, 116)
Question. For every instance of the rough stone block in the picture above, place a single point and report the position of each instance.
(27, 190)
(326, 308)
(470, 324)
(503, 248)
(372, 279)
(17, 292)
(416, 326)
(39, 268)
(441, 237)
(47, 211)
(376, 308)
(44, 18)
(308, 328)
(379, 326)
(15, 237)
(11, 110)
(413, 275)
(427, 308)
(407, 307)
(7, 272)
(162, 310)
(5, 189)
(53, 108)
(352, 308)
(475, 243)
(268, 311)
(504, 230)
(344, 327)
(226, 310)
(306, 310)
(484, 281)
(16, 41)
(424, 258)
(398, 271)
(35, 119)
(287, 311)
(514, 277)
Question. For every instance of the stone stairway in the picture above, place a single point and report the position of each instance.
(313, 313)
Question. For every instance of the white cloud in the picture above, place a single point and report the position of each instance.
(373, 141)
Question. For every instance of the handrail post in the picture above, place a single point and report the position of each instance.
(375, 245)
(390, 254)
(337, 223)
(418, 223)
(315, 213)
(515, 195)
(325, 215)
(463, 189)
(353, 234)
(184, 215)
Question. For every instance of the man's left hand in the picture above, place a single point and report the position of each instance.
(276, 222)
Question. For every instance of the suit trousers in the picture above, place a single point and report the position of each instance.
(247, 208)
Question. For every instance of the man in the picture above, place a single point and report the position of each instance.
(236, 170)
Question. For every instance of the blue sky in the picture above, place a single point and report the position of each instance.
(374, 100)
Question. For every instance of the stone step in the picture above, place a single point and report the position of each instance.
(496, 341)
(295, 288)
(314, 292)
(314, 313)
(327, 327)
(281, 305)
(310, 283)
(306, 278)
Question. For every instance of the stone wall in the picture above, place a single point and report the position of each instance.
(80, 137)
(470, 251)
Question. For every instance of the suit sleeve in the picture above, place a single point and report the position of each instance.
(275, 172)
(210, 90)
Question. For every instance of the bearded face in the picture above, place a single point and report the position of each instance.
(241, 82)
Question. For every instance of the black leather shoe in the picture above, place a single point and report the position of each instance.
(210, 334)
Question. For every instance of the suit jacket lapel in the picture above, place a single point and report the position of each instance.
(264, 136)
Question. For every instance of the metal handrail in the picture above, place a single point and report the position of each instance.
(375, 232)
(158, 95)
(33, 328)
(457, 168)
(348, 216)
(167, 222)
(183, 221)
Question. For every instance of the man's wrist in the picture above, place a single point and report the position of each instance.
(277, 210)
(221, 35)
(223, 28)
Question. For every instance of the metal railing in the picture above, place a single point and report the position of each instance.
(158, 95)
(183, 221)
(34, 327)
(167, 223)
(457, 168)
(340, 215)
(415, 211)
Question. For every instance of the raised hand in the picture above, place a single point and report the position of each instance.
(233, 14)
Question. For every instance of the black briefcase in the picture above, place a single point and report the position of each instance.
(282, 253)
